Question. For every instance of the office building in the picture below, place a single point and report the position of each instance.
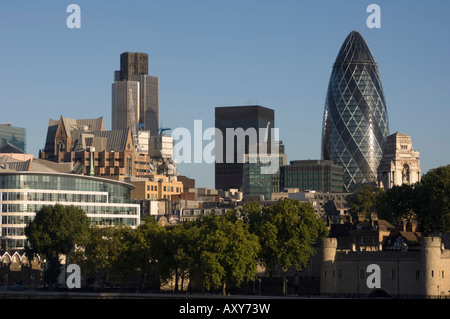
(12, 135)
(156, 187)
(23, 193)
(355, 122)
(135, 95)
(240, 127)
(261, 173)
(317, 175)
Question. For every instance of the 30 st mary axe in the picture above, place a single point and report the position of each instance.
(355, 122)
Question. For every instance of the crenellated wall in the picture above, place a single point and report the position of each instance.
(421, 273)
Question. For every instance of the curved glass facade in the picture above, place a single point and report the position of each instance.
(22, 194)
(117, 193)
(355, 122)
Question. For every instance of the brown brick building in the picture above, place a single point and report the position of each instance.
(92, 150)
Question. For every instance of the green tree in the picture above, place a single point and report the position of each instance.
(225, 251)
(55, 231)
(432, 200)
(363, 201)
(287, 231)
(145, 246)
(104, 256)
(251, 215)
(396, 204)
(174, 259)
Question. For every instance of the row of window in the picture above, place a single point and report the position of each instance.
(54, 197)
(165, 188)
(14, 243)
(99, 210)
(117, 193)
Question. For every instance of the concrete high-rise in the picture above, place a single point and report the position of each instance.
(229, 167)
(135, 95)
(355, 122)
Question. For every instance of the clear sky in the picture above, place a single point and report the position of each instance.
(210, 53)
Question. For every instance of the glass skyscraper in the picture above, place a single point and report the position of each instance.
(12, 135)
(355, 122)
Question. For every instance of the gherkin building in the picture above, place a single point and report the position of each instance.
(355, 121)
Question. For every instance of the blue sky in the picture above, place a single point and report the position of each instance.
(210, 53)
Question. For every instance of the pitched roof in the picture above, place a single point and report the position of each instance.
(8, 148)
(71, 126)
(9, 164)
(115, 140)
(410, 238)
(84, 125)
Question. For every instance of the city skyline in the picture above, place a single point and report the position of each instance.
(277, 55)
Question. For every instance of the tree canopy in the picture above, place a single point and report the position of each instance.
(225, 251)
(432, 200)
(287, 231)
(55, 231)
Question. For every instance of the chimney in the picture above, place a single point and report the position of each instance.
(413, 225)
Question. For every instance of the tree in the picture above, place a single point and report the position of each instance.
(363, 200)
(287, 231)
(55, 231)
(225, 251)
(104, 256)
(174, 259)
(145, 246)
(432, 204)
(396, 204)
(251, 214)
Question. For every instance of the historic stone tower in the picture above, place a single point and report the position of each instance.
(328, 267)
(435, 270)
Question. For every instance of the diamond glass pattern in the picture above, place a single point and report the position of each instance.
(355, 122)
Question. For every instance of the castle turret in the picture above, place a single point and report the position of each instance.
(327, 266)
(431, 266)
